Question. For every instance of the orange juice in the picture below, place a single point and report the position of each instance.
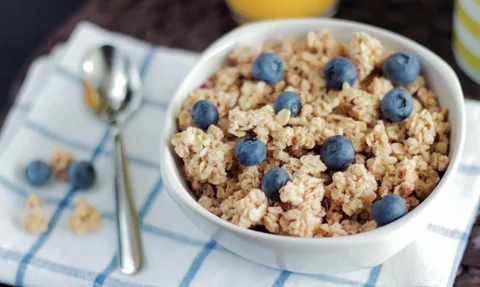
(254, 10)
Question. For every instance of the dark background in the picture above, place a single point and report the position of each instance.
(30, 28)
(23, 25)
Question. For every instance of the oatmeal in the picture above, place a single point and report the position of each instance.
(60, 161)
(312, 137)
(85, 218)
(35, 220)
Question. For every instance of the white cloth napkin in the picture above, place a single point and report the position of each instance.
(49, 114)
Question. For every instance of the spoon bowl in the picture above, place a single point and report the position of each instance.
(113, 88)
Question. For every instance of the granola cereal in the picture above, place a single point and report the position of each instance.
(35, 220)
(206, 156)
(406, 158)
(60, 162)
(85, 218)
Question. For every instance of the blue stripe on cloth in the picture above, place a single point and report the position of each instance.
(284, 275)
(462, 245)
(56, 137)
(219, 247)
(60, 268)
(172, 235)
(143, 69)
(154, 103)
(77, 272)
(69, 74)
(71, 143)
(22, 107)
(100, 279)
(17, 189)
(469, 169)
(20, 275)
(108, 215)
(446, 232)
(282, 278)
(336, 280)
(10, 255)
(197, 263)
(147, 61)
(150, 199)
(373, 276)
(144, 162)
(98, 150)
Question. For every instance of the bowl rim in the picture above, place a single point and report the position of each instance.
(377, 234)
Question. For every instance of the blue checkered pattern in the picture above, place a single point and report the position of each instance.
(177, 253)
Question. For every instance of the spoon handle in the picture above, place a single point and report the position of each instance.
(130, 253)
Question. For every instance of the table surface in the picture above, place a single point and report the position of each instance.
(193, 25)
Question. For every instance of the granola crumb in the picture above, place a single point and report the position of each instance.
(205, 156)
(245, 209)
(60, 161)
(422, 127)
(35, 220)
(355, 189)
(380, 86)
(85, 218)
(34, 201)
(210, 204)
(400, 180)
(283, 117)
(413, 87)
(366, 52)
(411, 202)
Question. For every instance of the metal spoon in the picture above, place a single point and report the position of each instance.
(113, 91)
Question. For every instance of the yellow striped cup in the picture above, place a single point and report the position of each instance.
(466, 37)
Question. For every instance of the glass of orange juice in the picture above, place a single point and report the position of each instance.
(254, 10)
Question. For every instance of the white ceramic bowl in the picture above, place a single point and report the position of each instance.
(314, 255)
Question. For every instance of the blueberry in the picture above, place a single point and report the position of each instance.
(204, 114)
(337, 152)
(274, 179)
(338, 71)
(268, 67)
(401, 68)
(289, 101)
(38, 173)
(397, 105)
(81, 175)
(388, 209)
(250, 151)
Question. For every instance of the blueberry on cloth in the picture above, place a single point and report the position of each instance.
(204, 114)
(81, 175)
(250, 151)
(388, 209)
(337, 152)
(401, 68)
(397, 105)
(274, 179)
(268, 67)
(338, 71)
(38, 173)
(290, 101)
